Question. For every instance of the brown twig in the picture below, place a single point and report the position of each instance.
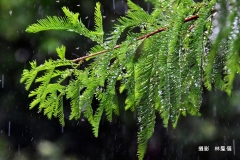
(191, 27)
(191, 18)
(94, 54)
(139, 38)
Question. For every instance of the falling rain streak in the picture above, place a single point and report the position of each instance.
(148, 7)
(233, 146)
(18, 148)
(113, 4)
(214, 111)
(88, 24)
(2, 81)
(9, 128)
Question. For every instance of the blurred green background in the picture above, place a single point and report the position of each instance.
(26, 134)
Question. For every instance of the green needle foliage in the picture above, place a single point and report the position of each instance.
(163, 72)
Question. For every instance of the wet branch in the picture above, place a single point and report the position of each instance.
(81, 59)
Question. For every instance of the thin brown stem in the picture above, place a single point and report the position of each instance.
(94, 54)
(139, 38)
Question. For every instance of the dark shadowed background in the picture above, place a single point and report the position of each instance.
(26, 134)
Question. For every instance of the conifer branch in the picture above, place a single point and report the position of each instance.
(139, 38)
